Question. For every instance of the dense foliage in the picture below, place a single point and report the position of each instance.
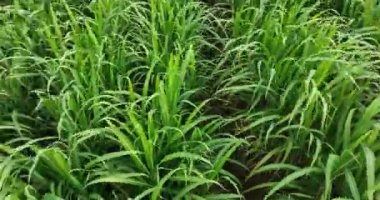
(187, 99)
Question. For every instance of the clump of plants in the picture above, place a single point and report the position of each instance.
(186, 99)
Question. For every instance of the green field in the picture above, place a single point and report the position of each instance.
(190, 99)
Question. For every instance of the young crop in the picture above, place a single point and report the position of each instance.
(187, 99)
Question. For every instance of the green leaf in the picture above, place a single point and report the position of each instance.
(128, 145)
(184, 155)
(352, 184)
(124, 178)
(347, 130)
(186, 190)
(110, 156)
(330, 167)
(57, 161)
(141, 134)
(225, 154)
(223, 196)
(272, 167)
(290, 178)
(365, 122)
(259, 121)
(371, 174)
(158, 188)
